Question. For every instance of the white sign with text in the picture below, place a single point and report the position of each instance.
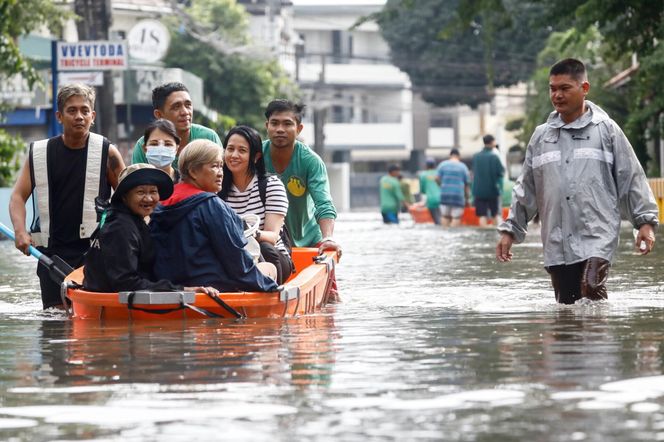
(148, 41)
(96, 55)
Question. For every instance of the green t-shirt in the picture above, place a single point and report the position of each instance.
(430, 188)
(197, 132)
(390, 194)
(308, 190)
(488, 174)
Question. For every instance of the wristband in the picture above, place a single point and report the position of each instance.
(327, 238)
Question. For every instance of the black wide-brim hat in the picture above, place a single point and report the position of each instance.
(141, 174)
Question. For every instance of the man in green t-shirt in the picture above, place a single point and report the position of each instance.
(391, 195)
(430, 189)
(172, 102)
(311, 211)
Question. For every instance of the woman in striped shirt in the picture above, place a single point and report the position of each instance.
(248, 189)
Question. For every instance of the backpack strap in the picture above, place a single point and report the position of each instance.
(262, 189)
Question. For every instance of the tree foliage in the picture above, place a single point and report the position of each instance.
(237, 81)
(588, 47)
(9, 163)
(18, 18)
(627, 27)
(458, 51)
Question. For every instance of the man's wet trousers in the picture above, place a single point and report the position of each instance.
(585, 279)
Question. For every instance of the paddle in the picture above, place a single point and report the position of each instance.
(58, 269)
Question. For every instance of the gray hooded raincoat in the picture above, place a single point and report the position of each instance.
(580, 177)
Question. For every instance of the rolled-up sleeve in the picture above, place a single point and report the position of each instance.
(319, 189)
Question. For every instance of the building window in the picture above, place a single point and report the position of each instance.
(441, 120)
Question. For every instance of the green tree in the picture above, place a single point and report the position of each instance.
(212, 41)
(458, 51)
(587, 46)
(627, 27)
(9, 163)
(18, 18)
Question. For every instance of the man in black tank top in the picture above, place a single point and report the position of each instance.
(66, 164)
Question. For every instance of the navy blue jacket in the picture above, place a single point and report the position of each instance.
(199, 241)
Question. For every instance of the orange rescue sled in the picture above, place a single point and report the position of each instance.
(305, 292)
(421, 215)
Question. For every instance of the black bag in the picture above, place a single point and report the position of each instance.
(284, 234)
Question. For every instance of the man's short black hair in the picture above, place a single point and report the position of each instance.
(161, 93)
(282, 105)
(488, 139)
(455, 152)
(569, 66)
(393, 168)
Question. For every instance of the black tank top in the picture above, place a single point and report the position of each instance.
(66, 168)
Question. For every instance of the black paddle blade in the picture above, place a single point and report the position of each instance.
(58, 269)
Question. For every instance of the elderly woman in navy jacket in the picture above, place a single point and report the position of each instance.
(121, 256)
(198, 237)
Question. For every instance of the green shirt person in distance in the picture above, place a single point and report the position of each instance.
(430, 189)
(172, 102)
(391, 196)
(311, 212)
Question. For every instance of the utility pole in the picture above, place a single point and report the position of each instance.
(94, 24)
(320, 111)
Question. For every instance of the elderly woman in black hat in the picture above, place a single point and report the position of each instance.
(121, 255)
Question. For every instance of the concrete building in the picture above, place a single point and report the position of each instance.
(132, 88)
(362, 110)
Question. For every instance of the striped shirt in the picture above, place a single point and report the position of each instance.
(249, 201)
(454, 177)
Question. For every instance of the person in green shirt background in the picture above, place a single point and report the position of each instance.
(391, 196)
(430, 189)
(311, 212)
(488, 173)
(172, 102)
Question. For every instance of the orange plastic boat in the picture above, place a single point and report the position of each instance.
(421, 215)
(305, 292)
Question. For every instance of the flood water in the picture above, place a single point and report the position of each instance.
(434, 340)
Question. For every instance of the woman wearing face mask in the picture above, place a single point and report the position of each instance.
(121, 255)
(161, 145)
(248, 189)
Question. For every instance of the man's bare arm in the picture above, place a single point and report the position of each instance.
(17, 213)
(115, 165)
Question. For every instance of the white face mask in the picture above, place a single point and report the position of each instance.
(160, 155)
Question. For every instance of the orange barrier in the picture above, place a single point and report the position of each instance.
(421, 215)
(657, 186)
(305, 292)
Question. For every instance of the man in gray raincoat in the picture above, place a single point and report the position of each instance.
(580, 174)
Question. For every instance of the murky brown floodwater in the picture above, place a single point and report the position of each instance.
(434, 341)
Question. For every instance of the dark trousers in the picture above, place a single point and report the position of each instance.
(435, 214)
(50, 290)
(282, 262)
(585, 279)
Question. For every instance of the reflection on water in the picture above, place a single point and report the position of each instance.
(434, 341)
